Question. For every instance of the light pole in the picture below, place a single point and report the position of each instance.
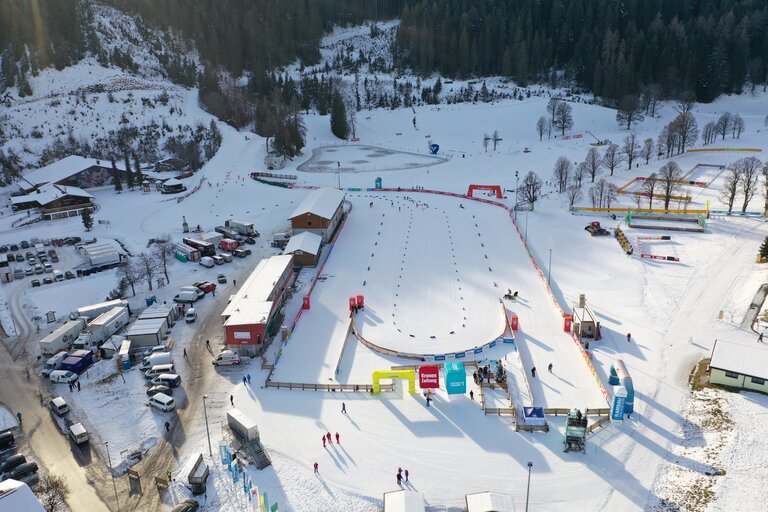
(528, 491)
(549, 270)
(207, 432)
(517, 181)
(114, 487)
(338, 173)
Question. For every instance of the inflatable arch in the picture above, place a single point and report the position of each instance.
(394, 374)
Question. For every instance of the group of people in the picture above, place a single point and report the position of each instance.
(73, 385)
(327, 438)
(484, 372)
(400, 476)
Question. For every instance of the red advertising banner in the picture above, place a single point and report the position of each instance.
(429, 376)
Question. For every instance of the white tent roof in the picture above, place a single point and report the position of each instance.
(65, 168)
(745, 357)
(171, 182)
(321, 202)
(15, 495)
(490, 502)
(49, 193)
(403, 501)
(304, 241)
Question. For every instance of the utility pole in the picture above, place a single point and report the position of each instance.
(114, 487)
(528, 491)
(207, 432)
(517, 186)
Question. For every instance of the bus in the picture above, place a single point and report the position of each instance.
(205, 248)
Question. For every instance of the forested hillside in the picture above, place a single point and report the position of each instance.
(610, 47)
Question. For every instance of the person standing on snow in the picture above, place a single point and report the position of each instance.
(337, 438)
(328, 436)
(533, 372)
(629, 337)
(316, 465)
(550, 367)
(406, 475)
(323, 441)
(399, 479)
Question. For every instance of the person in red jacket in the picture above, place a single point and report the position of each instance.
(316, 465)
(323, 441)
(337, 438)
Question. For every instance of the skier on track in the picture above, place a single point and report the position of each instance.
(629, 337)
(337, 438)
(323, 441)
(549, 367)
(533, 372)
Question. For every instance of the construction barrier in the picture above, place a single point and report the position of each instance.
(716, 150)
(663, 258)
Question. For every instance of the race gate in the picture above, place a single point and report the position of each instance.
(493, 188)
(394, 374)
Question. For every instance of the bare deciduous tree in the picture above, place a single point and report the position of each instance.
(594, 196)
(149, 267)
(748, 170)
(53, 492)
(647, 150)
(708, 133)
(593, 163)
(730, 188)
(669, 174)
(612, 157)
(164, 253)
(132, 272)
(541, 127)
(563, 117)
(687, 129)
(723, 124)
(552, 107)
(629, 111)
(610, 194)
(531, 187)
(649, 188)
(579, 172)
(562, 172)
(630, 149)
(738, 126)
(574, 194)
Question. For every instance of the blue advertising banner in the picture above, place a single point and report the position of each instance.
(617, 410)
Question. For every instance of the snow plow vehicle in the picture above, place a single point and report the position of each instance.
(595, 229)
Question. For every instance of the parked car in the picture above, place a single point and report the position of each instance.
(72, 240)
(18, 273)
(13, 247)
(29, 271)
(23, 471)
(241, 253)
(19, 257)
(54, 258)
(78, 433)
(10, 258)
(227, 357)
(249, 240)
(159, 389)
(63, 376)
(3, 248)
(35, 283)
(12, 462)
(158, 349)
(186, 296)
(30, 255)
(51, 252)
(167, 379)
(69, 275)
(59, 406)
(218, 260)
(188, 505)
(206, 286)
(39, 269)
(48, 280)
(159, 369)
(221, 278)
(190, 316)
(162, 401)
(227, 256)
(24, 244)
(48, 268)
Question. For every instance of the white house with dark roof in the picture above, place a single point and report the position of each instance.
(320, 213)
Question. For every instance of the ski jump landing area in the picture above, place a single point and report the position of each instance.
(433, 274)
(359, 158)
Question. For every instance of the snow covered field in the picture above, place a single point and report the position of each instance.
(437, 269)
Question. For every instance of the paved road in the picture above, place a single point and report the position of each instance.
(82, 471)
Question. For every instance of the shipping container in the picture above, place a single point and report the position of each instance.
(61, 338)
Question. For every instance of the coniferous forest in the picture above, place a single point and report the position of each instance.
(612, 48)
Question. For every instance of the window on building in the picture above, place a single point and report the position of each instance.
(732, 375)
(309, 223)
(758, 381)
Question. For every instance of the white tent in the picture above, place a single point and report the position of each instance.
(403, 501)
(489, 502)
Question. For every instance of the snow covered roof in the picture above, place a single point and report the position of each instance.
(104, 246)
(321, 202)
(304, 241)
(403, 501)
(50, 192)
(171, 182)
(252, 304)
(490, 502)
(65, 168)
(743, 357)
(15, 495)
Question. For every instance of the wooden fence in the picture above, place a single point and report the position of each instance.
(303, 386)
(599, 423)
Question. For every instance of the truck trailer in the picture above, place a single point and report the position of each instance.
(94, 310)
(61, 338)
(101, 328)
(244, 228)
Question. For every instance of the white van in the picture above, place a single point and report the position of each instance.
(281, 237)
(207, 262)
(54, 363)
(227, 357)
(191, 315)
(186, 296)
(218, 260)
(59, 406)
(48, 267)
(159, 369)
(167, 379)
(189, 288)
(162, 401)
(154, 360)
(78, 433)
(58, 275)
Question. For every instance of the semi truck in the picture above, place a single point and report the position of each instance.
(101, 328)
(244, 228)
(61, 338)
(92, 311)
(76, 364)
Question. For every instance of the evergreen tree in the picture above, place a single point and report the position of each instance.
(128, 173)
(117, 181)
(339, 124)
(87, 219)
(138, 177)
(763, 252)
